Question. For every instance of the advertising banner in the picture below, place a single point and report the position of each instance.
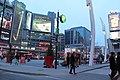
(18, 23)
(7, 19)
(114, 21)
(41, 23)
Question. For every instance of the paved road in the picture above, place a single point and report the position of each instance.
(13, 76)
(98, 74)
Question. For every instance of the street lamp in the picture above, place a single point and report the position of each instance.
(62, 19)
(89, 5)
(57, 33)
(104, 32)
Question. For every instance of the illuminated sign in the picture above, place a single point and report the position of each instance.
(114, 35)
(7, 19)
(114, 21)
(41, 23)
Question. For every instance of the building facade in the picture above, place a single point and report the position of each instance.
(61, 43)
(27, 30)
(77, 38)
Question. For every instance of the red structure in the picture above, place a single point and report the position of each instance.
(49, 61)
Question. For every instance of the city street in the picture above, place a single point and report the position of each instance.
(99, 74)
(59, 39)
(61, 73)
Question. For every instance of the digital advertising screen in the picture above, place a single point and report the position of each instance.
(114, 21)
(41, 23)
(7, 20)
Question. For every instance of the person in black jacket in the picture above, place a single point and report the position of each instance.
(68, 60)
(72, 63)
(113, 65)
(118, 62)
(118, 66)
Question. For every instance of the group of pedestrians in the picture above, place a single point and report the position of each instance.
(114, 66)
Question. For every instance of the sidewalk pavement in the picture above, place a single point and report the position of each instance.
(40, 71)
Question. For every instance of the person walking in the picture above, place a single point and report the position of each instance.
(118, 62)
(11, 57)
(72, 63)
(118, 66)
(68, 60)
(17, 58)
(113, 65)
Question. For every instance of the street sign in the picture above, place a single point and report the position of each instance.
(62, 18)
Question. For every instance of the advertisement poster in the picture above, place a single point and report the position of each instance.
(114, 22)
(7, 20)
(41, 23)
(18, 23)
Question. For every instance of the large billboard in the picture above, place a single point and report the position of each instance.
(7, 19)
(114, 21)
(18, 22)
(41, 23)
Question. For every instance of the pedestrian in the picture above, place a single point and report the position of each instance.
(118, 66)
(1, 56)
(11, 58)
(72, 63)
(68, 60)
(113, 65)
(16, 58)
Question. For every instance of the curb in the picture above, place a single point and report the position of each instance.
(26, 73)
(93, 69)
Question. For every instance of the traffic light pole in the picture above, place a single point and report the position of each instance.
(57, 33)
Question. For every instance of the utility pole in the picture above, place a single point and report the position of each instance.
(89, 5)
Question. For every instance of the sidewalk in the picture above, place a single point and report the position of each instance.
(40, 71)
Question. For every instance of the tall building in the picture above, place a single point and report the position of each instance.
(37, 31)
(114, 28)
(26, 30)
(61, 42)
(77, 38)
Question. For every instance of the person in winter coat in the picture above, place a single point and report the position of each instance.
(72, 63)
(113, 65)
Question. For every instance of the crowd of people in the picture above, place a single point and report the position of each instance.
(15, 57)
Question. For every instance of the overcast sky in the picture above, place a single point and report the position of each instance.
(77, 13)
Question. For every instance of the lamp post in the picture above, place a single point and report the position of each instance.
(62, 19)
(57, 33)
(89, 5)
(104, 32)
